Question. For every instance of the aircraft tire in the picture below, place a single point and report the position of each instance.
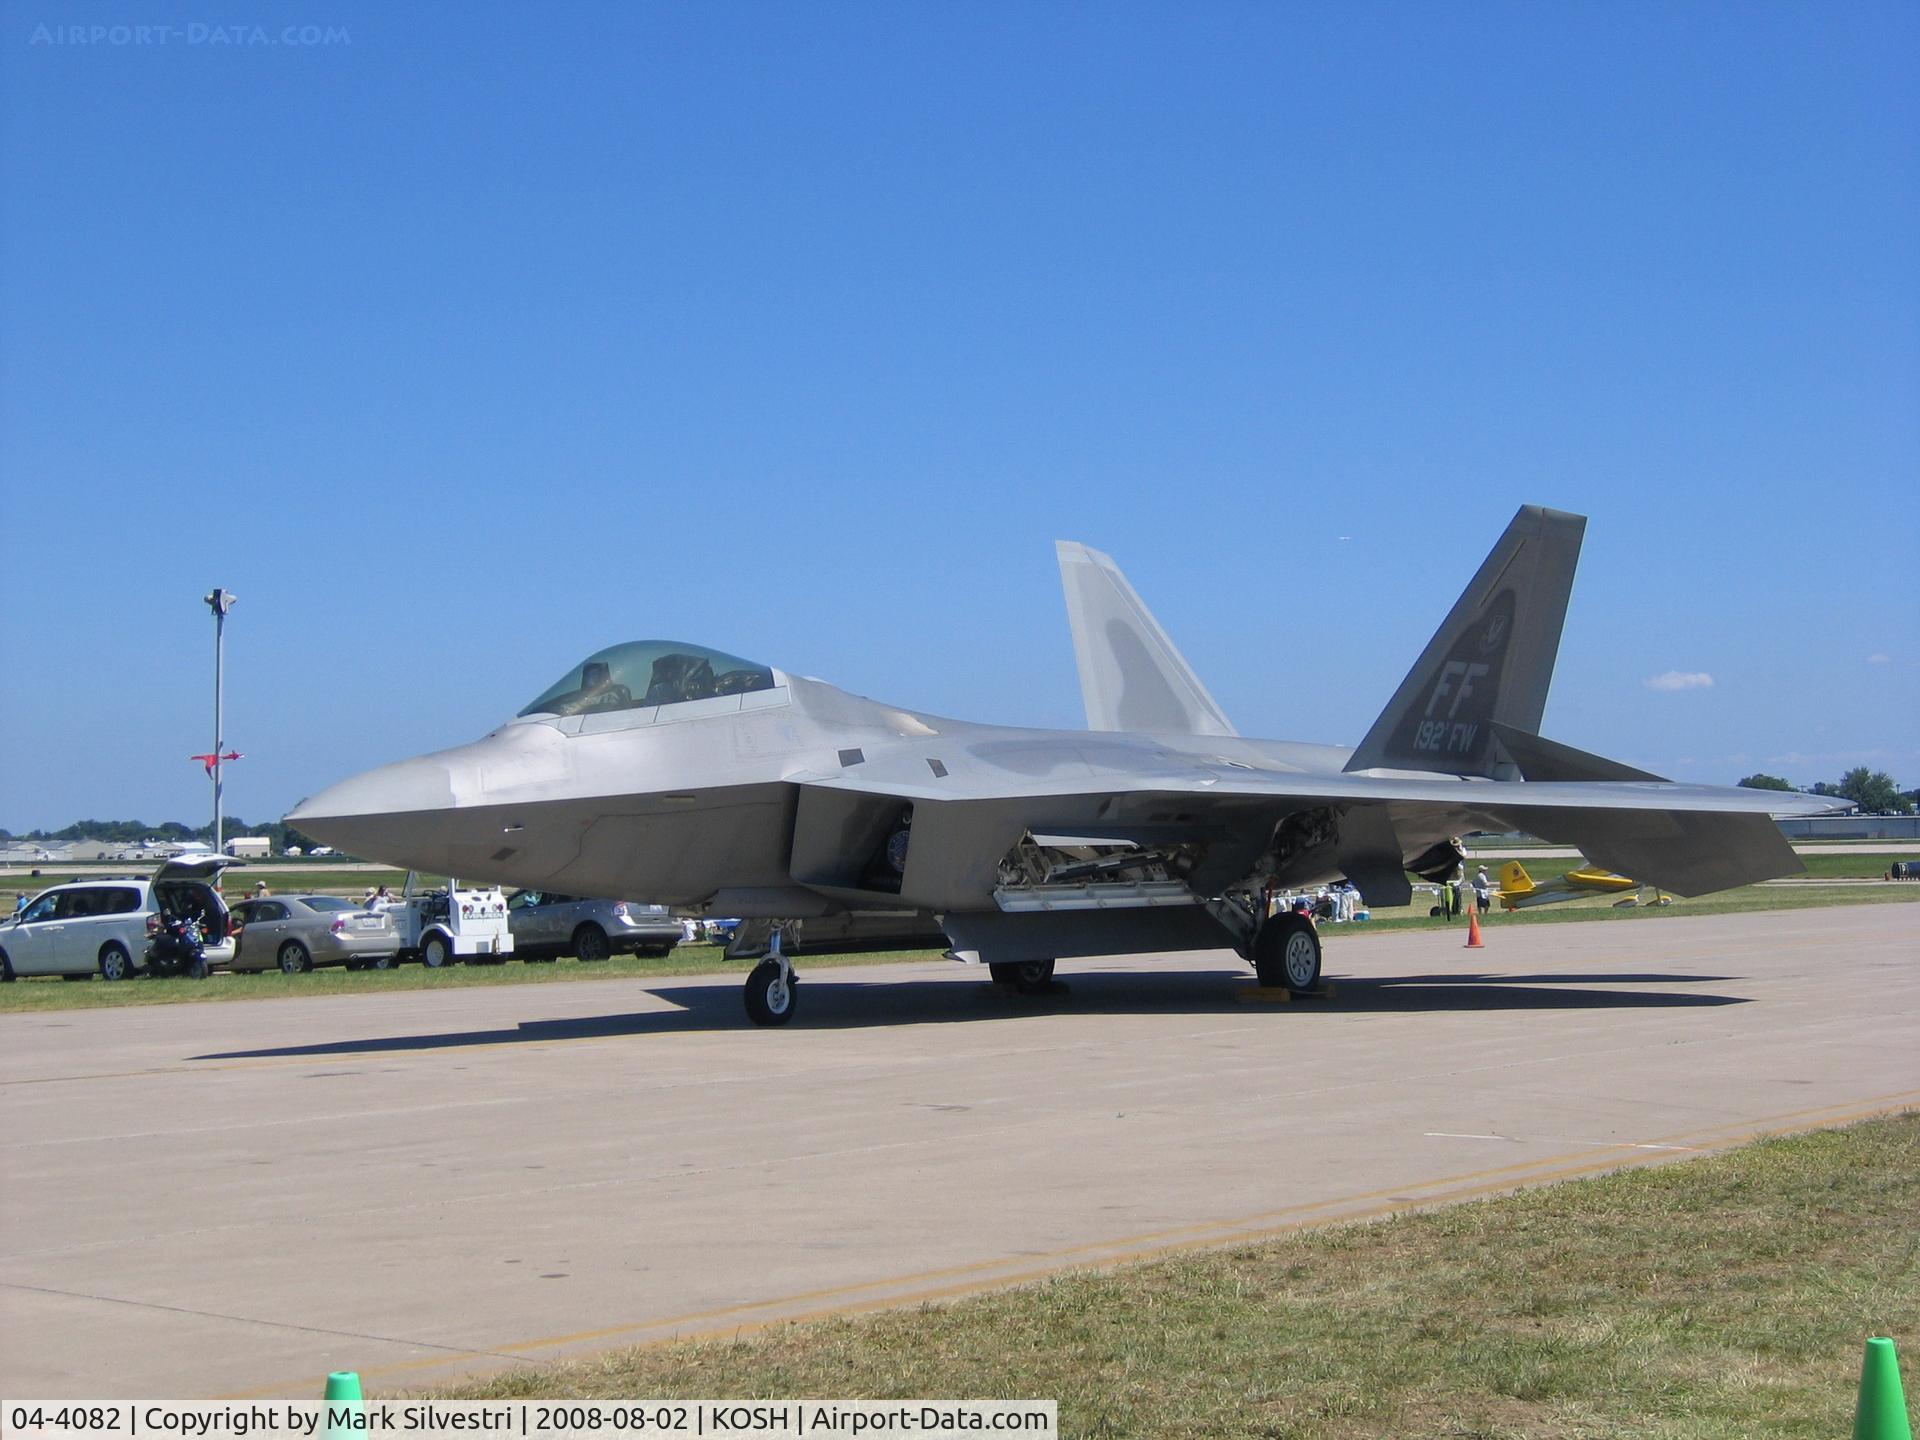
(1028, 975)
(770, 997)
(1286, 953)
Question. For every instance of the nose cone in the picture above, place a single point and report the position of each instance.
(386, 814)
(425, 783)
(446, 812)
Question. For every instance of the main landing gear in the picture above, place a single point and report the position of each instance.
(1286, 952)
(1029, 977)
(770, 991)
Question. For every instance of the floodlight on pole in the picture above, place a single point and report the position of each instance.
(220, 602)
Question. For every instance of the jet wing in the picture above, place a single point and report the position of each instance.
(1484, 796)
(1688, 839)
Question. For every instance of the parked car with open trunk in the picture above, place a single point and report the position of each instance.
(101, 926)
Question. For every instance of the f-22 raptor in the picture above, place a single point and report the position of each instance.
(675, 773)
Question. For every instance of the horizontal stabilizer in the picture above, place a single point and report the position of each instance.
(1131, 676)
(1704, 853)
(1539, 758)
(1686, 852)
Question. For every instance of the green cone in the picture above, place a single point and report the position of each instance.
(343, 1404)
(1882, 1414)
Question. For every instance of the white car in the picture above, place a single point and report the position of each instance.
(100, 927)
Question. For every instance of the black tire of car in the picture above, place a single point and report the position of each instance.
(590, 944)
(115, 963)
(294, 959)
(6, 969)
(435, 953)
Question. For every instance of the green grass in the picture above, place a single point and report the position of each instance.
(1864, 865)
(52, 993)
(1728, 902)
(1728, 1296)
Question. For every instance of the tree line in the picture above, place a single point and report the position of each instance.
(132, 832)
(1872, 790)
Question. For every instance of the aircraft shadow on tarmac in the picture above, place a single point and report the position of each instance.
(828, 1003)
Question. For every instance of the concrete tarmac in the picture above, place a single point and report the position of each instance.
(237, 1198)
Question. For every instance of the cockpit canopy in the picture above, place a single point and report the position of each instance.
(649, 672)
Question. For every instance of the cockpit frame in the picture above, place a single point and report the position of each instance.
(649, 674)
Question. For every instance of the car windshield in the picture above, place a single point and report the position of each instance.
(649, 672)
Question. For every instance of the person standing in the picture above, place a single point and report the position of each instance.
(1482, 890)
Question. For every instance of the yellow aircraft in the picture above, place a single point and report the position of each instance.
(1518, 892)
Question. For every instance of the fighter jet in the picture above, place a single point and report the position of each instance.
(719, 785)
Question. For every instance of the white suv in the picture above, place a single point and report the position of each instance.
(100, 927)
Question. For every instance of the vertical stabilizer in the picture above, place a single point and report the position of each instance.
(1491, 660)
(1131, 677)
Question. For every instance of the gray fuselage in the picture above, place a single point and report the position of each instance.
(698, 804)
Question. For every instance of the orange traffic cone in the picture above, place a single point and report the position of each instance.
(1474, 942)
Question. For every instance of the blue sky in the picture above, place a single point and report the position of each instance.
(461, 341)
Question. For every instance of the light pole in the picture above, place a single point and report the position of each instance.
(220, 601)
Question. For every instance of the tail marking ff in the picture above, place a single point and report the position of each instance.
(1491, 660)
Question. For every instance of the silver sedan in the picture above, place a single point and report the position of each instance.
(298, 932)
